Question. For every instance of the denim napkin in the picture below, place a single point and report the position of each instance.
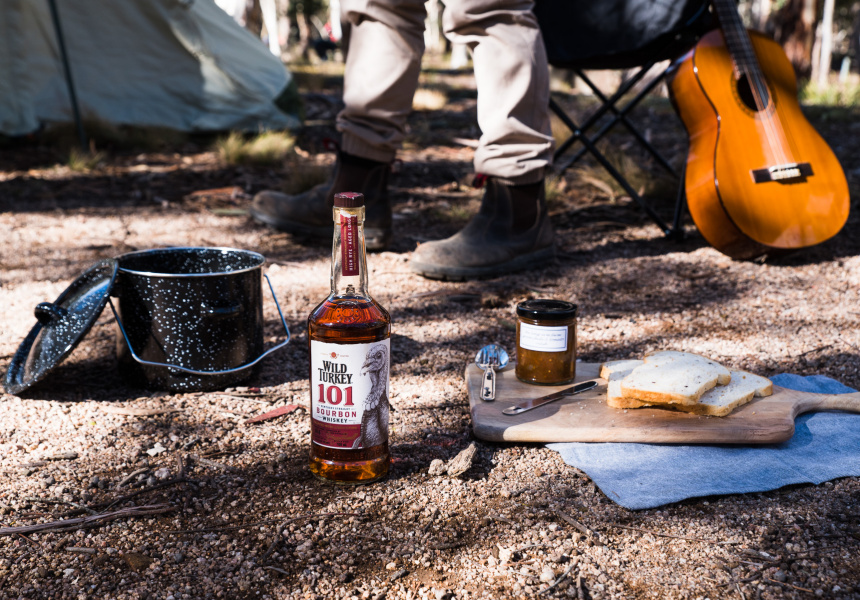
(825, 445)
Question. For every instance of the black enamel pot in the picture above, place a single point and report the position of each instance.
(190, 319)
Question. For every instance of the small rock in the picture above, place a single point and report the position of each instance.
(283, 457)
(463, 461)
(162, 473)
(68, 572)
(178, 557)
(547, 574)
(41, 572)
(780, 576)
(49, 480)
(505, 555)
(390, 566)
(398, 574)
(150, 481)
(437, 467)
(156, 450)
(64, 456)
(137, 561)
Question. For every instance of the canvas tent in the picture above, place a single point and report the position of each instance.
(183, 64)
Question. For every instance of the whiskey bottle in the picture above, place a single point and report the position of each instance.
(349, 335)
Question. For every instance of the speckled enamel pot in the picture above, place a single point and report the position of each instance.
(198, 310)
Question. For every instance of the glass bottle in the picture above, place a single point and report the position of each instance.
(350, 356)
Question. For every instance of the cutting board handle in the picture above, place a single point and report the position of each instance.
(814, 402)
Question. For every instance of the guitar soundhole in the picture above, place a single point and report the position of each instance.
(745, 92)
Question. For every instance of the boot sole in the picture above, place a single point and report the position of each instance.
(452, 273)
(374, 238)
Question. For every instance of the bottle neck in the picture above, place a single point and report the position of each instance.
(348, 257)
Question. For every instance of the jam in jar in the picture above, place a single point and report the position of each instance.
(546, 341)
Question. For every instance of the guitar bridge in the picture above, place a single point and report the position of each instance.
(786, 172)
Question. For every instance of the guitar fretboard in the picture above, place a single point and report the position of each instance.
(740, 46)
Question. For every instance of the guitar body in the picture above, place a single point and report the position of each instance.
(730, 140)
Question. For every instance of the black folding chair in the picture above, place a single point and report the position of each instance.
(632, 35)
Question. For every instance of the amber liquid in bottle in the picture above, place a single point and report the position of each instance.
(350, 356)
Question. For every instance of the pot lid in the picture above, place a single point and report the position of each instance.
(61, 325)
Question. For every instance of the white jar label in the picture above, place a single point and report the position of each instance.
(349, 394)
(543, 339)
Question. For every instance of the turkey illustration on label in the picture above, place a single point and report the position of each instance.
(349, 400)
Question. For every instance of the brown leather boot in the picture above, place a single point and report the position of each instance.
(309, 213)
(511, 232)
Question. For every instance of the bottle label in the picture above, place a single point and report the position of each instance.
(543, 339)
(349, 245)
(349, 394)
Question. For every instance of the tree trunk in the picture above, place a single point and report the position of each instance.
(760, 14)
(793, 26)
(826, 47)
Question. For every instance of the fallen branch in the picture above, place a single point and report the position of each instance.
(82, 507)
(131, 476)
(211, 463)
(669, 535)
(89, 521)
(137, 412)
(127, 497)
(567, 518)
(795, 587)
(500, 518)
(273, 414)
(559, 580)
(430, 522)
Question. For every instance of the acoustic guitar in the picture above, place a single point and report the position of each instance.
(759, 178)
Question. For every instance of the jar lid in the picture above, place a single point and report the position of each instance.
(546, 309)
(60, 325)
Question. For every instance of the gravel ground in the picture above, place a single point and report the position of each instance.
(211, 507)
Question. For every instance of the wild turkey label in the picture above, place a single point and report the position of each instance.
(349, 394)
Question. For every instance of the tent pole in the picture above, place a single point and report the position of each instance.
(55, 17)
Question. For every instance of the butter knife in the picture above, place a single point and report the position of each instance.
(518, 409)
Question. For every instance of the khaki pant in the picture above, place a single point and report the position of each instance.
(384, 60)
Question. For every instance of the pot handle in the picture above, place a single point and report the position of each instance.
(193, 371)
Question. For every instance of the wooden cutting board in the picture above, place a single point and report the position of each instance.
(586, 417)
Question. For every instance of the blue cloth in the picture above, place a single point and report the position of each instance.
(825, 446)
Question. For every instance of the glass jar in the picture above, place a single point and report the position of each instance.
(546, 341)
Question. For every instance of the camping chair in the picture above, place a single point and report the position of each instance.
(618, 34)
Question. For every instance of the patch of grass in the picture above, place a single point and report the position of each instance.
(847, 95)
(555, 188)
(642, 180)
(80, 161)
(114, 137)
(267, 148)
(303, 177)
(429, 99)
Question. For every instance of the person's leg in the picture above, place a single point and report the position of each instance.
(512, 230)
(382, 66)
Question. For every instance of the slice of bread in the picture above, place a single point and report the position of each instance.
(721, 400)
(673, 378)
(613, 372)
(615, 366)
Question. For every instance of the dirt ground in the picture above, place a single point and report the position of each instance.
(229, 510)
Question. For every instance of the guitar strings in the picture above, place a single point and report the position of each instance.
(735, 34)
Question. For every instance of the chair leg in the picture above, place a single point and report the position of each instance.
(677, 232)
(621, 116)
